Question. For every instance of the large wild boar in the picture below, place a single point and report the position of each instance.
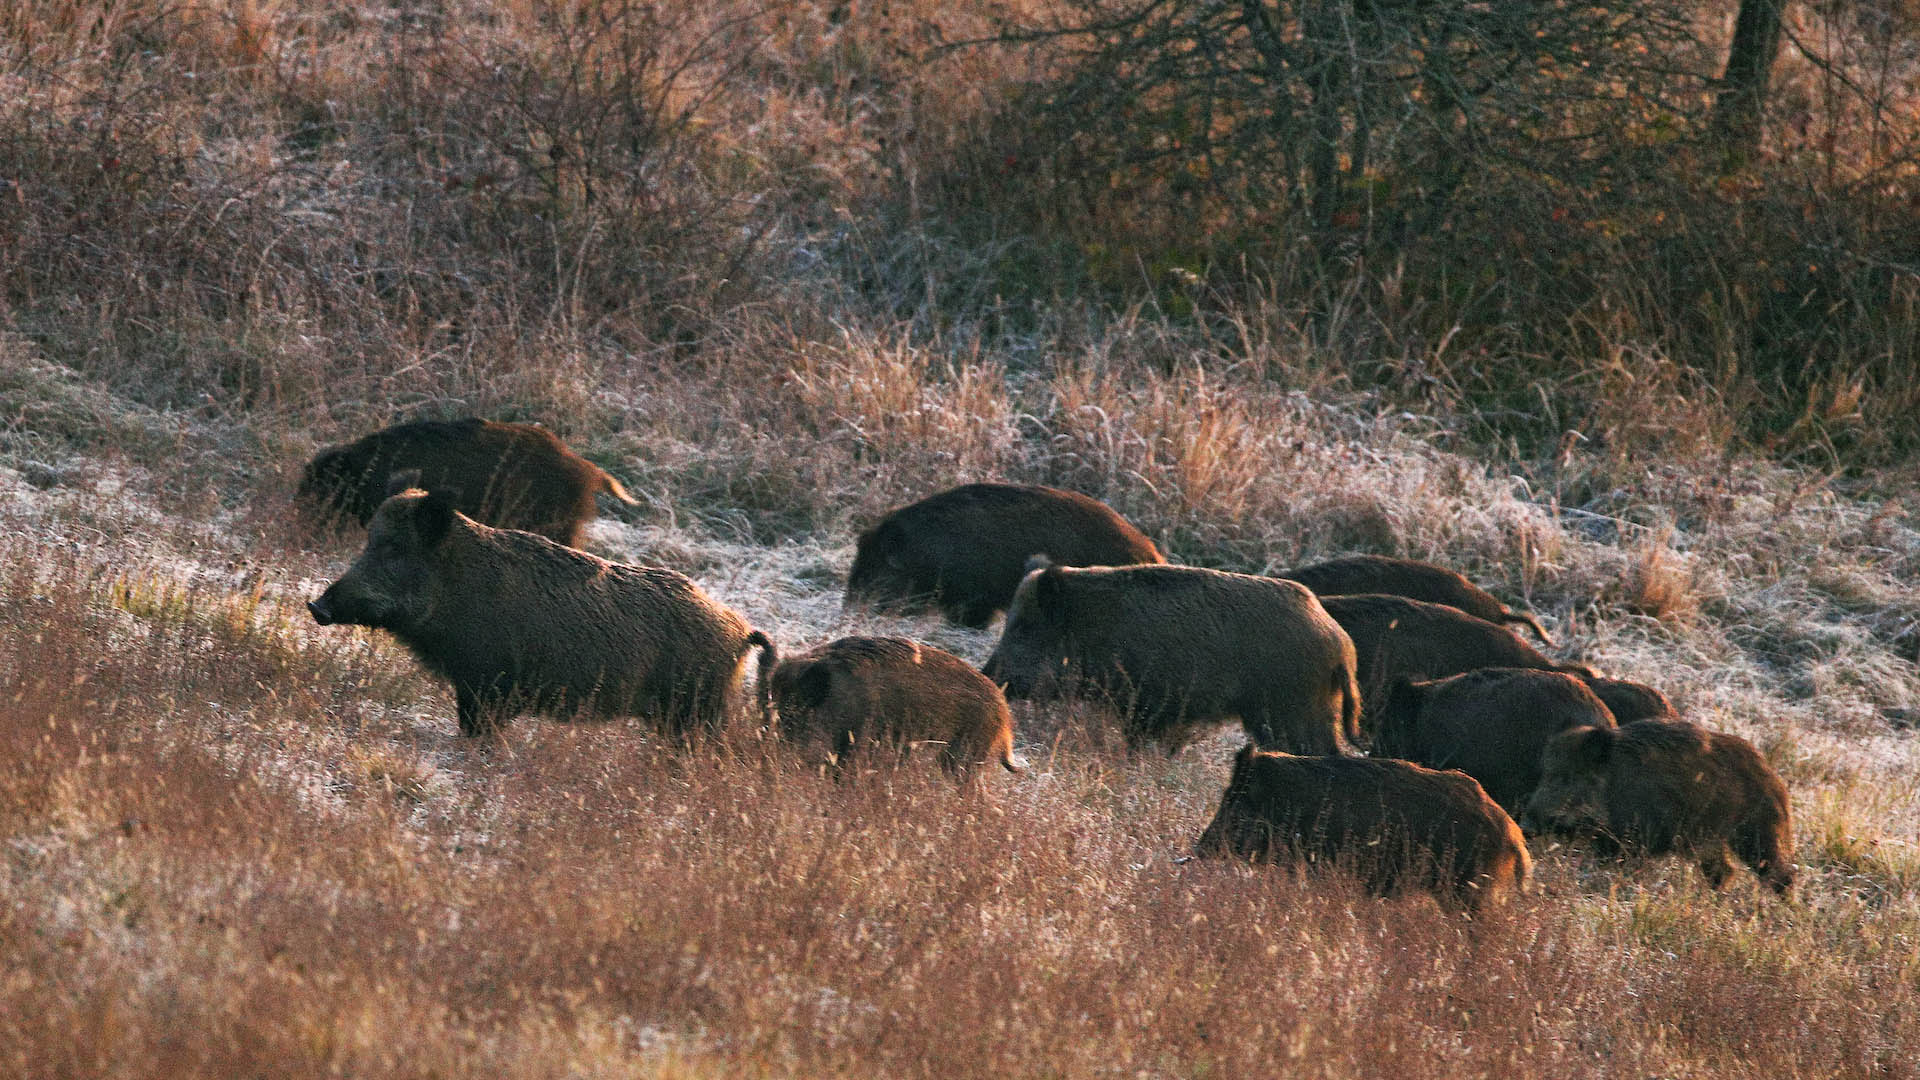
(1491, 724)
(965, 550)
(862, 691)
(1413, 580)
(1178, 647)
(1629, 701)
(519, 623)
(1394, 825)
(511, 476)
(1396, 638)
(1665, 786)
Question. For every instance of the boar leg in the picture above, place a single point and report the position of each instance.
(843, 744)
(962, 761)
(974, 614)
(1755, 848)
(476, 718)
(1715, 864)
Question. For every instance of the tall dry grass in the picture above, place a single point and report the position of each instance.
(225, 857)
(781, 269)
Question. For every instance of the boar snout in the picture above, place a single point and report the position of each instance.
(1018, 681)
(320, 612)
(995, 671)
(1013, 688)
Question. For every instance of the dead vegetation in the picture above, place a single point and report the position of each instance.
(219, 863)
(780, 270)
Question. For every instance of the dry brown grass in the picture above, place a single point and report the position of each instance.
(214, 872)
(1659, 583)
(781, 278)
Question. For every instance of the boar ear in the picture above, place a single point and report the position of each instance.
(813, 687)
(1406, 691)
(1046, 588)
(1593, 745)
(402, 480)
(1401, 703)
(434, 517)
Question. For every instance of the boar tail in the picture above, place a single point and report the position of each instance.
(763, 682)
(1527, 620)
(1523, 881)
(1347, 685)
(1001, 750)
(616, 489)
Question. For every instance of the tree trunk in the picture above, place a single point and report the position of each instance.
(1323, 33)
(1743, 88)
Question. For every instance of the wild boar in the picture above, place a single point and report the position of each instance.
(965, 550)
(1629, 701)
(1658, 787)
(1394, 825)
(511, 476)
(1176, 648)
(519, 623)
(861, 691)
(1394, 638)
(1491, 724)
(1413, 580)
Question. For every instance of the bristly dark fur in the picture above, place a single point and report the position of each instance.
(1395, 825)
(1395, 638)
(513, 476)
(965, 550)
(1667, 786)
(1630, 701)
(1491, 724)
(1177, 648)
(861, 691)
(517, 622)
(1413, 580)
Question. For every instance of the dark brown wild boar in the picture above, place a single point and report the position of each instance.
(1629, 701)
(1176, 648)
(519, 623)
(965, 550)
(1413, 580)
(1491, 724)
(1394, 825)
(861, 691)
(1396, 638)
(1664, 786)
(511, 476)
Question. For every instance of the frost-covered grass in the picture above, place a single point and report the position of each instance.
(238, 843)
(237, 838)
(708, 245)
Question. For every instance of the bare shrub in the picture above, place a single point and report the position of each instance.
(1659, 583)
(887, 403)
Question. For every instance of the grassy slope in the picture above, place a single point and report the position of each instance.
(238, 843)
